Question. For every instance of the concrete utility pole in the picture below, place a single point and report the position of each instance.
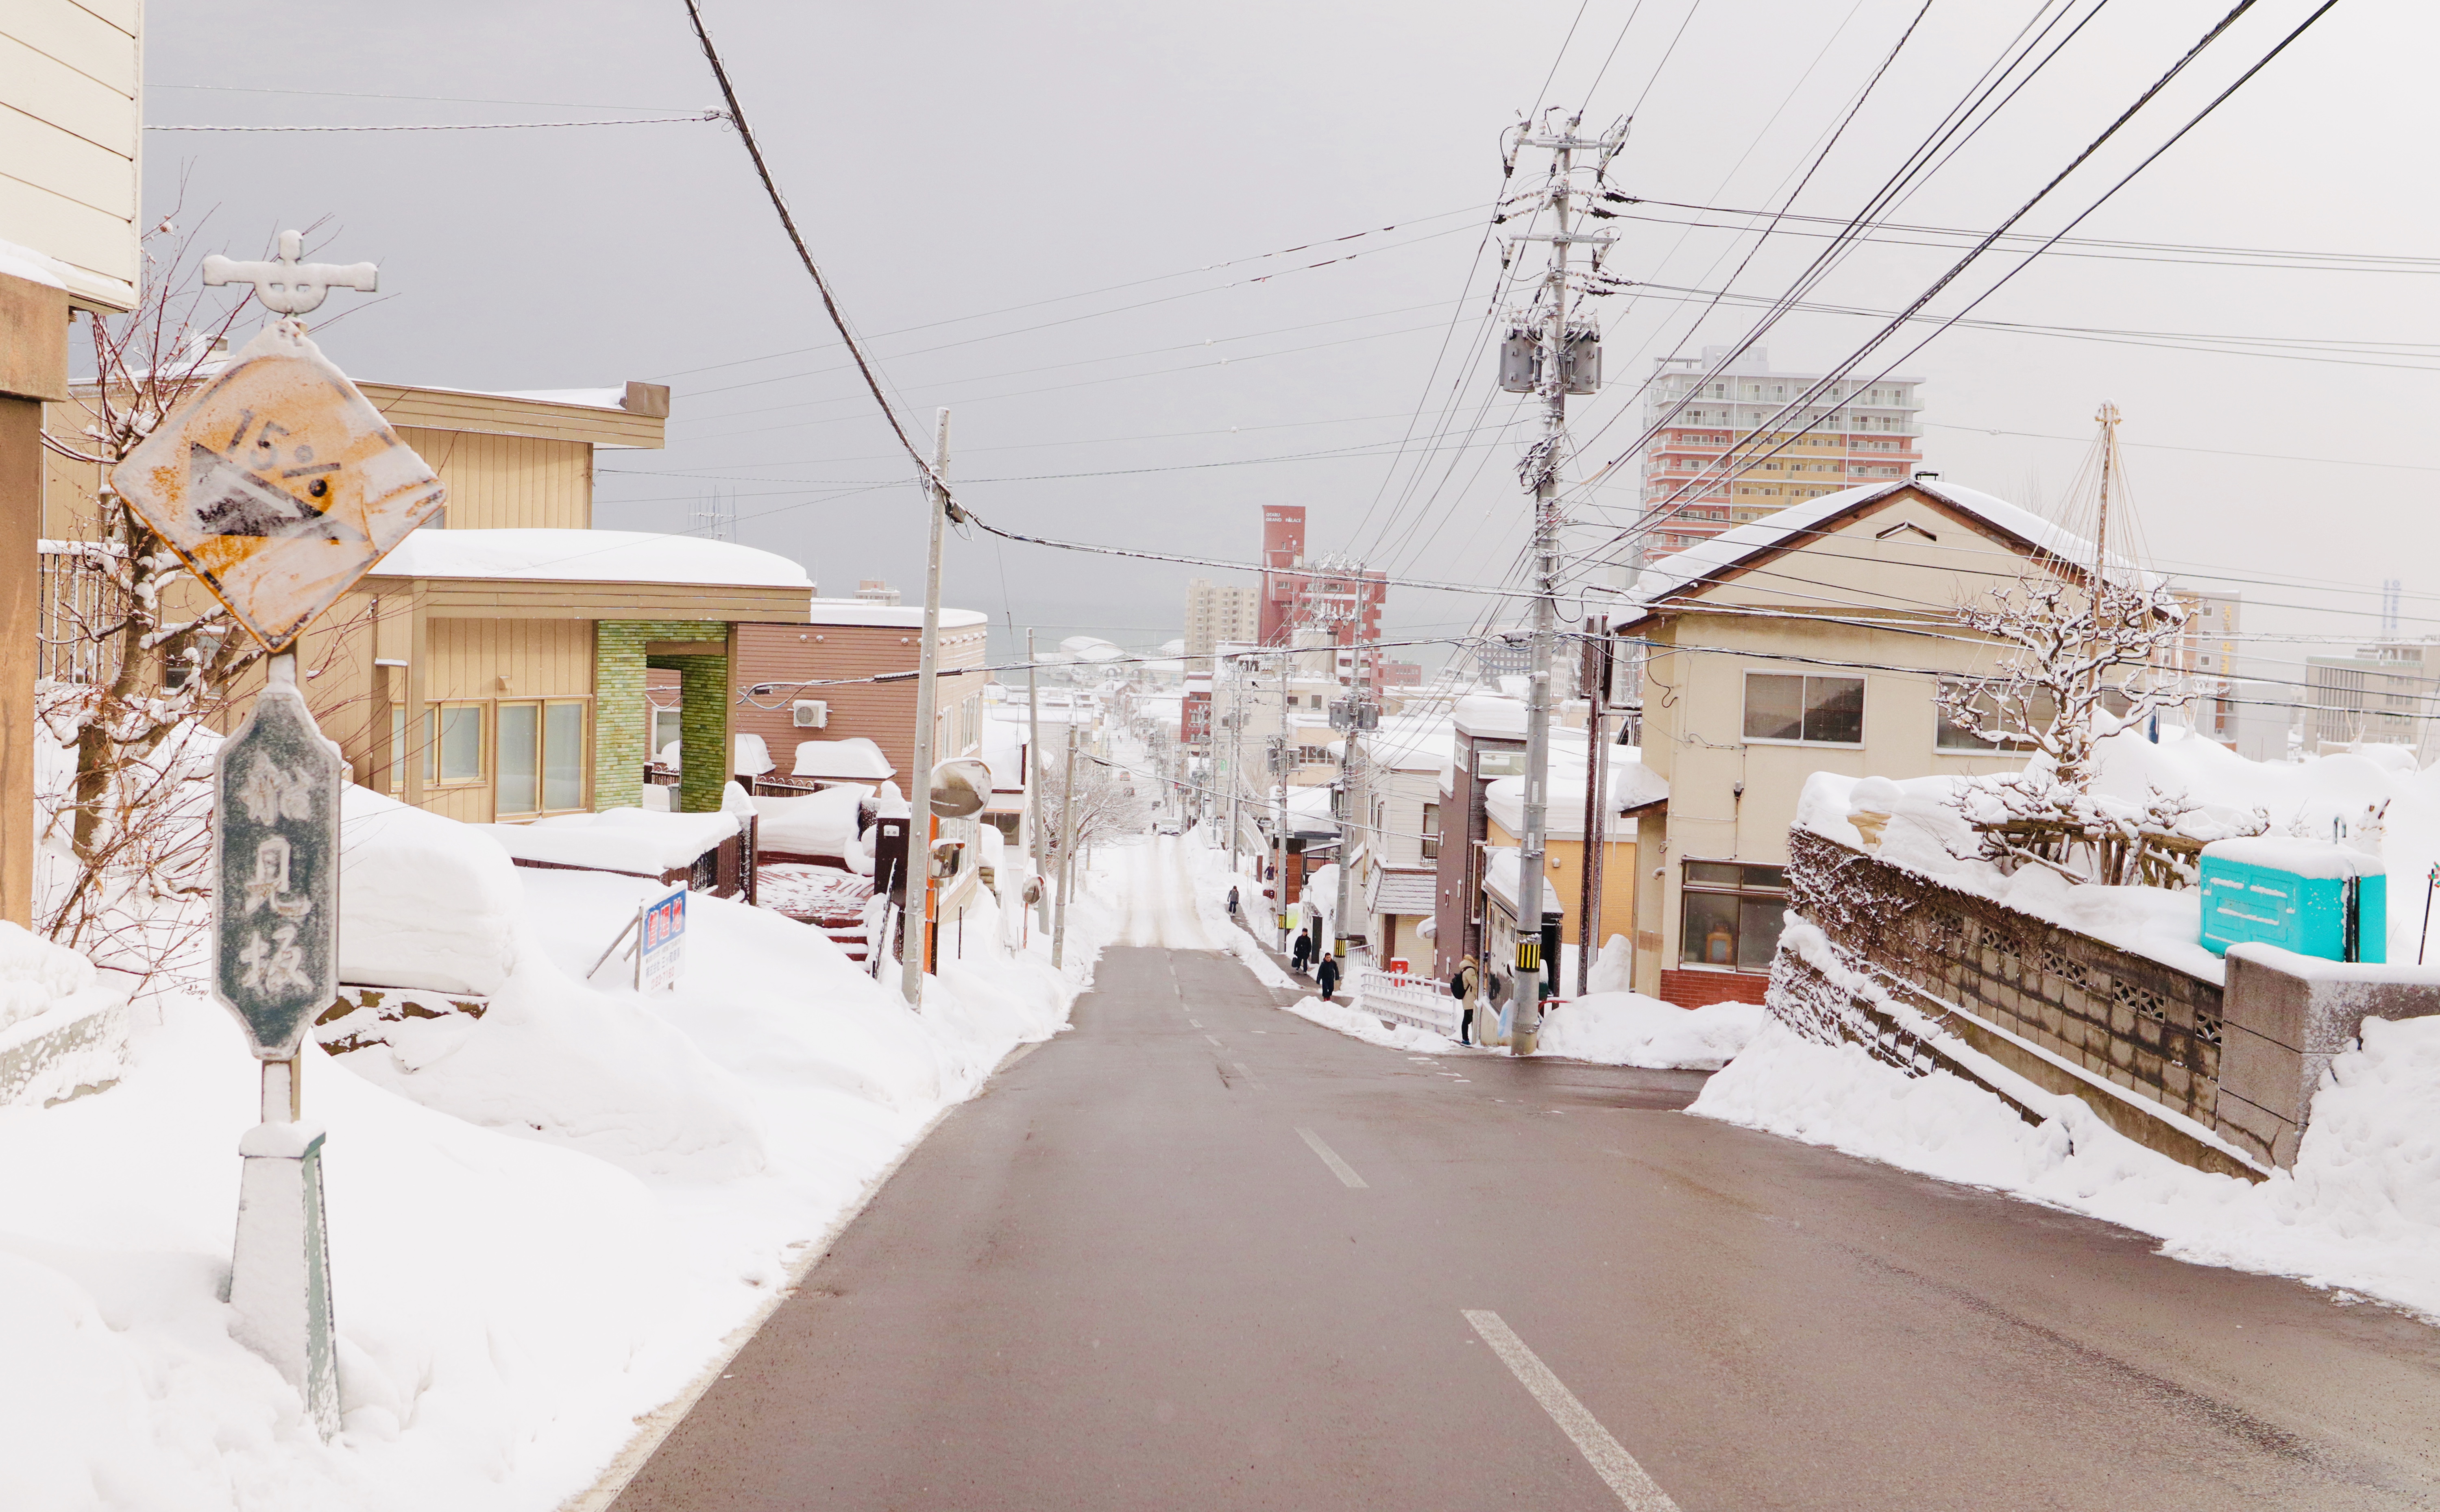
(1280, 808)
(922, 826)
(1033, 777)
(1557, 369)
(1597, 673)
(1349, 765)
(1067, 849)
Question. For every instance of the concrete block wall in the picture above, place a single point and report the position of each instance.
(2289, 1016)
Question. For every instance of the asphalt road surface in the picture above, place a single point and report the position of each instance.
(1198, 1253)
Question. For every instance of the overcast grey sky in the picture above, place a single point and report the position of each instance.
(1022, 207)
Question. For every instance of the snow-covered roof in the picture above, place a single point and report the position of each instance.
(1707, 559)
(589, 556)
(1632, 786)
(890, 616)
(855, 759)
(1491, 714)
(1500, 874)
(589, 398)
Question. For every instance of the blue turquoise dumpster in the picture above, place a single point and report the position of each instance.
(2314, 897)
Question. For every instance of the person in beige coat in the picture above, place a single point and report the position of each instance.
(1463, 987)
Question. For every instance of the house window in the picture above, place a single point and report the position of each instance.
(453, 744)
(541, 757)
(2011, 736)
(1494, 764)
(1732, 914)
(665, 730)
(1818, 711)
(1431, 831)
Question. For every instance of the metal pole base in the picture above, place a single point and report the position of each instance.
(279, 1278)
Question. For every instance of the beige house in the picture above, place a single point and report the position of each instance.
(492, 668)
(1813, 639)
(71, 137)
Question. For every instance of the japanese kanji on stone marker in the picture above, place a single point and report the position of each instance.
(280, 485)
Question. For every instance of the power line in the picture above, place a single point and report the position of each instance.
(462, 126)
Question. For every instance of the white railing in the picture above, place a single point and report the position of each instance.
(1405, 999)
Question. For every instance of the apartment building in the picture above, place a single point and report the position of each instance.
(2380, 696)
(1711, 409)
(1218, 612)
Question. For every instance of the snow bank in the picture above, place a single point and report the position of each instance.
(1208, 867)
(2360, 1211)
(821, 823)
(543, 1222)
(1343, 1017)
(35, 974)
(423, 901)
(1629, 1029)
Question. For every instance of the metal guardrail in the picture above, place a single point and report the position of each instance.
(1405, 999)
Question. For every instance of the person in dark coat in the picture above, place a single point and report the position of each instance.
(1327, 976)
(1232, 903)
(1302, 952)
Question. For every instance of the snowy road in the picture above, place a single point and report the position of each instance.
(1201, 1254)
(1156, 897)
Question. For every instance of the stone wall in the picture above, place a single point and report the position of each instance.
(2126, 1019)
(2196, 1070)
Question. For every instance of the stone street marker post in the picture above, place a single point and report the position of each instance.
(280, 485)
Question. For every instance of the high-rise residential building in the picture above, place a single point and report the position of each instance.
(1216, 612)
(2381, 695)
(1329, 595)
(1858, 432)
(2207, 654)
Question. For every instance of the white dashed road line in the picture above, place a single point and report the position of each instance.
(1612, 1462)
(1338, 1168)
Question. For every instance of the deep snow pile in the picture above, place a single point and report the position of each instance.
(541, 1226)
(2360, 1211)
(1207, 865)
(1629, 1029)
(1925, 833)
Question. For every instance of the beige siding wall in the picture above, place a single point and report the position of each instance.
(508, 482)
(540, 658)
(70, 139)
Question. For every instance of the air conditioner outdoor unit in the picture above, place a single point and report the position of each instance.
(812, 714)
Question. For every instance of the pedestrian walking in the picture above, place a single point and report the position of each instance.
(1232, 903)
(1463, 986)
(1301, 951)
(1328, 975)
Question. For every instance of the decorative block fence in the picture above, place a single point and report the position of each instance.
(2172, 1060)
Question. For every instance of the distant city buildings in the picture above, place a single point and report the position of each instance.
(1858, 433)
(873, 590)
(1400, 673)
(1320, 602)
(1215, 613)
(2380, 696)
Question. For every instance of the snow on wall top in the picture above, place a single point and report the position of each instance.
(890, 616)
(855, 759)
(589, 398)
(589, 556)
(619, 839)
(2323, 861)
(35, 974)
(1501, 868)
(1632, 785)
(1730, 548)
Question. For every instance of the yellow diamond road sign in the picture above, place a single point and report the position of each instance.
(279, 484)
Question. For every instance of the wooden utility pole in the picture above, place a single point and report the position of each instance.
(921, 827)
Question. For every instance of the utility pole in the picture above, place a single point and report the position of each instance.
(1597, 676)
(1229, 723)
(1280, 807)
(1067, 849)
(1558, 369)
(920, 824)
(2109, 418)
(1033, 777)
(1349, 765)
